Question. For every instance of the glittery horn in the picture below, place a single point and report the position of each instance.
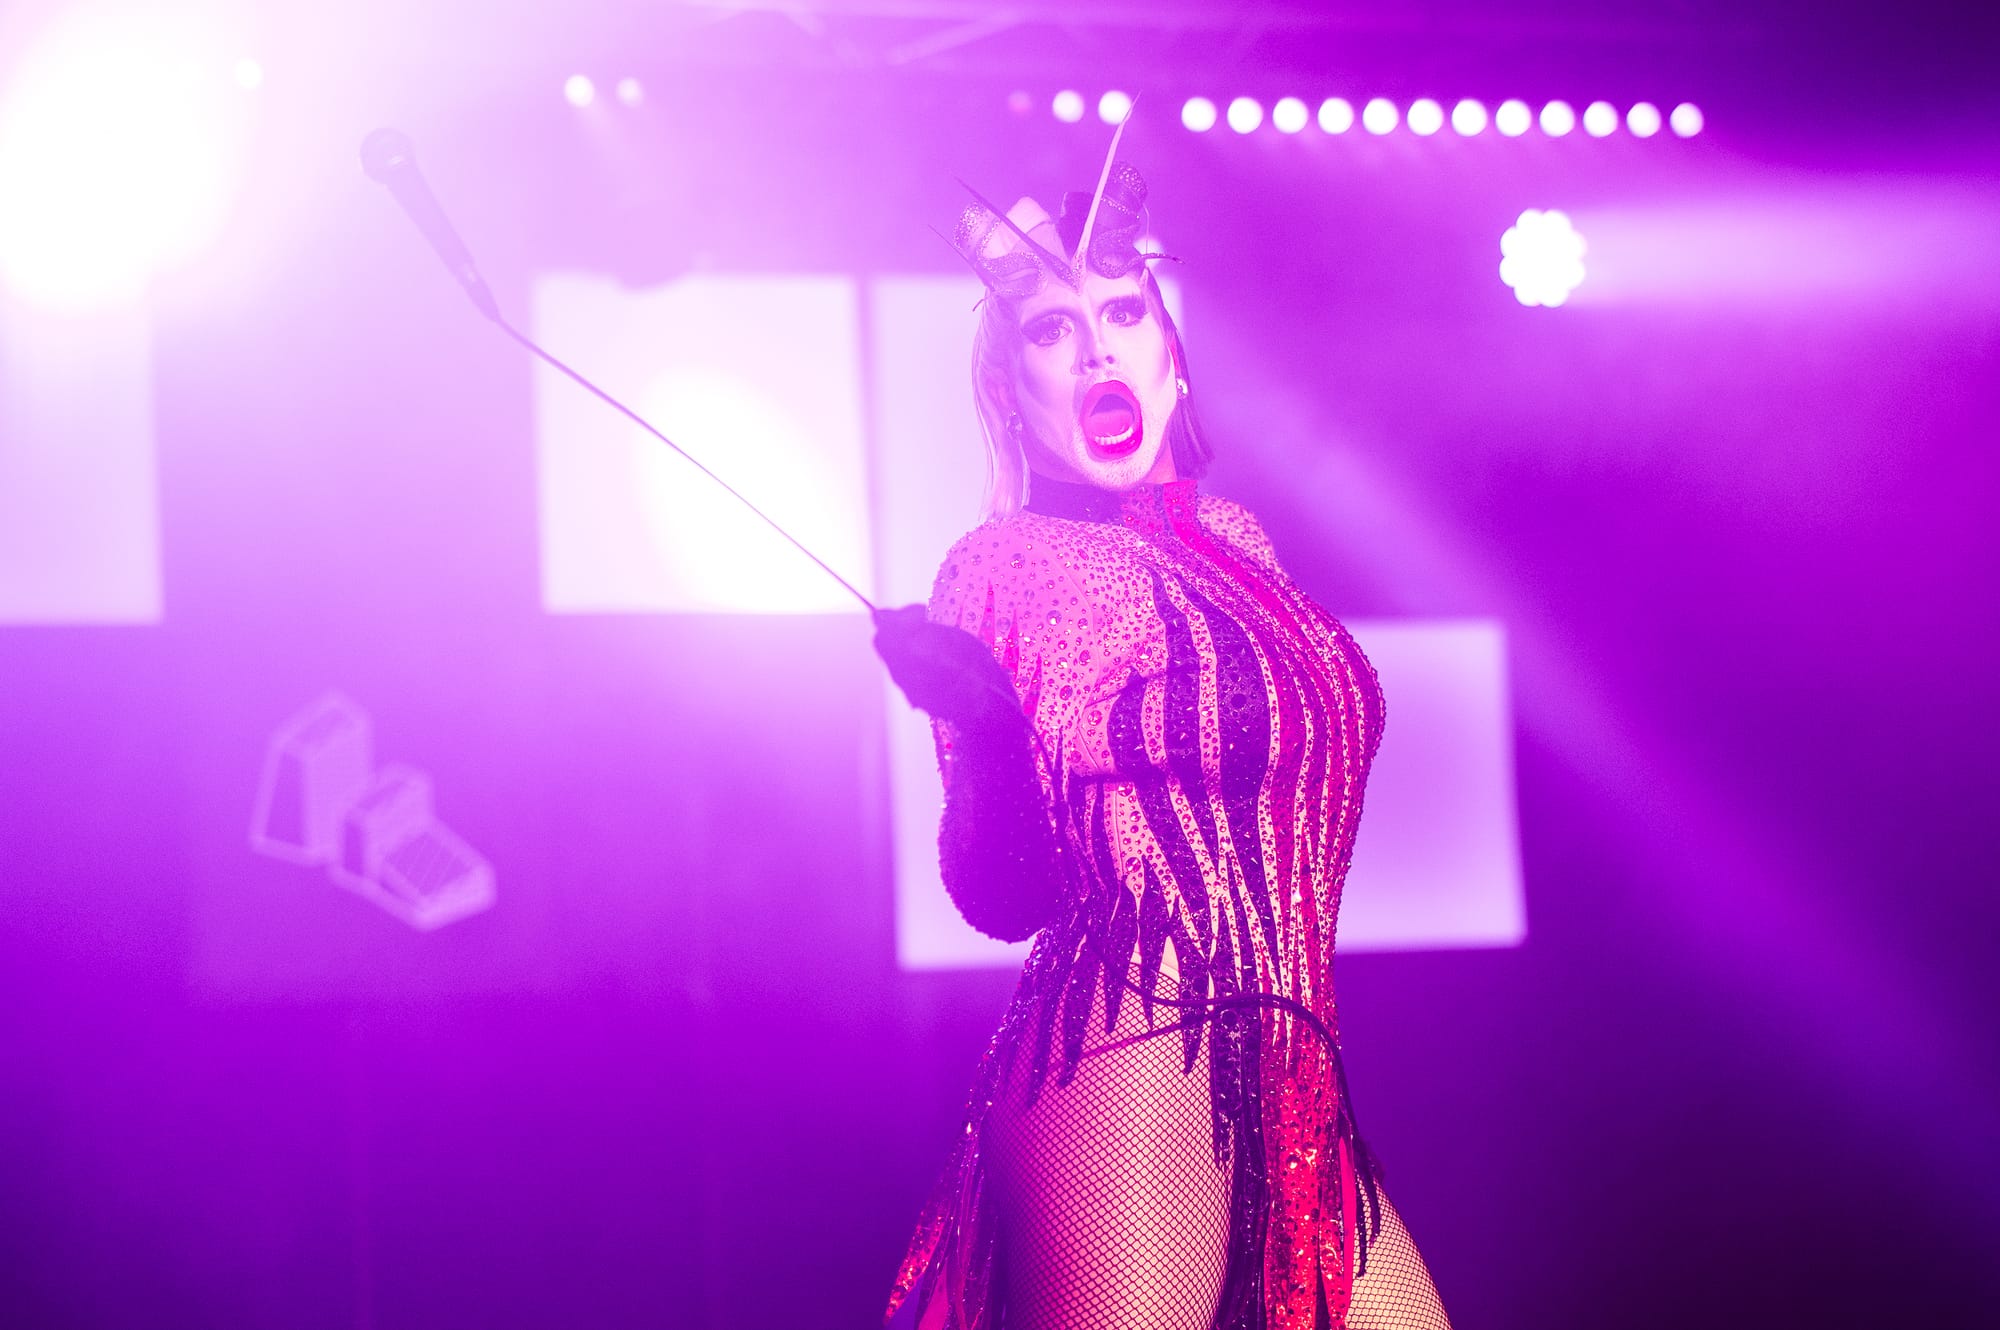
(1114, 241)
(1097, 232)
(977, 225)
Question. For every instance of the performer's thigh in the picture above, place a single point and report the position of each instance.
(1396, 1292)
(1113, 1210)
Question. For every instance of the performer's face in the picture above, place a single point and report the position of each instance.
(1095, 383)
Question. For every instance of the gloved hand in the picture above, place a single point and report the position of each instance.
(945, 670)
(997, 847)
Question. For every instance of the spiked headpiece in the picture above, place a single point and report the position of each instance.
(1015, 251)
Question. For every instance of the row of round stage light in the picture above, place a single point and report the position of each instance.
(1424, 117)
(581, 90)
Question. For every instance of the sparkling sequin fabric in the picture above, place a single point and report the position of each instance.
(1203, 731)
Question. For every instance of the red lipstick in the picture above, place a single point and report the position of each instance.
(1111, 420)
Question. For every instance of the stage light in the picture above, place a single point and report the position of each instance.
(578, 90)
(1067, 106)
(1686, 120)
(1379, 116)
(630, 91)
(249, 74)
(1245, 114)
(1542, 257)
(1558, 119)
(1469, 117)
(1198, 114)
(1426, 117)
(1599, 119)
(1113, 107)
(1513, 118)
(121, 138)
(1643, 120)
(1336, 116)
(1290, 115)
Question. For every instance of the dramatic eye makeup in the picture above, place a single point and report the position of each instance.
(1126, 310)
(1045, 329)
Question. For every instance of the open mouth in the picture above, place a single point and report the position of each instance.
(1111, 420)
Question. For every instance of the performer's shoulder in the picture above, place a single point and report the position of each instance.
(1237, 525)
(1224, 510)
(1014, 555)
(1025, 534)
(986, 547)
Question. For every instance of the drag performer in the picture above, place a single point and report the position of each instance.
(1154, 747)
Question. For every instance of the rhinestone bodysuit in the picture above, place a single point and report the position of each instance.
(1203, 733)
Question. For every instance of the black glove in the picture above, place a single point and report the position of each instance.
(945, 670)
(997, 846)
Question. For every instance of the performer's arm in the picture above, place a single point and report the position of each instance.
(997, 845)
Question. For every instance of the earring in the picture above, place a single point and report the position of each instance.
(1182, 385)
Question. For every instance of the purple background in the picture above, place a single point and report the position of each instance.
(1742, 1073)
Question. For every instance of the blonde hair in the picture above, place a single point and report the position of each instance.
(995, 359)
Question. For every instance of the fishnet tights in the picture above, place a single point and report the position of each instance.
(1114, 1214)
(1396, 1293)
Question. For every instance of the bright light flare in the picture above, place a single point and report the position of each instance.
(1067, 106)
(1558, 119)
(628, 526)
(1469, 118)
(1643, 120)
(1245, 114)
(1290, 115)
(121, 140)
(1198, 114)
(1600, 119)
(249, 74)
(1379, 116)
(1426, 117)
(1114, 106)
(1686, 120)
(579, 91)
(1542, 257)
(1513, 118)
(1336, 115)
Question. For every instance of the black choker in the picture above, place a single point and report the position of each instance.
(1088, 503)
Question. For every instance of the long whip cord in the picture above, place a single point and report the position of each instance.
(529, 344)
(388, 157)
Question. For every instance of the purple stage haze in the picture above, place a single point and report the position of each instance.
(556, 980)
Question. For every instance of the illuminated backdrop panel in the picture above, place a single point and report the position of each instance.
(79, 499)
(759, 378)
